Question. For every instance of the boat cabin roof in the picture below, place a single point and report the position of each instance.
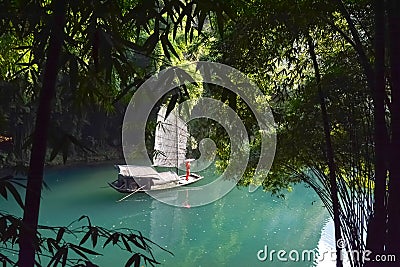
(138, 171)
(148, 172)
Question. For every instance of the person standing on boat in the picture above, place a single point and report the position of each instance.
(187, 169)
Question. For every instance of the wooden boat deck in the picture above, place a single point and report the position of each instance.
(193, 177)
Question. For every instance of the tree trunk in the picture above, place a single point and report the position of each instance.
(358, 46)
(394, 168)
(329, 152)
(28, 236)
(376, 237)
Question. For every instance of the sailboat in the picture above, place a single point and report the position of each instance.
(170, 151)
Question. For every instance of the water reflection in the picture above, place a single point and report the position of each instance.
(228, 232)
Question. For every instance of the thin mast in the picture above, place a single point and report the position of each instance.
(177, 143)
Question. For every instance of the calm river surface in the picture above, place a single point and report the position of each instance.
(228, 232)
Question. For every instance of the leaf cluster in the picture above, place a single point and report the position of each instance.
(54, 245)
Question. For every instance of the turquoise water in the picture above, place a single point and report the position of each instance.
(228, 232)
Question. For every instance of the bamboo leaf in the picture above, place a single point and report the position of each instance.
(151, 43)
(134, 259)
(136, 243)
(20, 71)
(5, 259)
(57, 149)
(152, 261)
(3, 224)
(185, 90)
(94, 236)
(88, 251)
(50, 246)
(188, 25)
(79, 144)
(56, 258)
(164, 46)
(116, 238)
(85, 237)
(220, 23)
(183, 76)
(108, 240)
(85, 217)
(15, 194)
(171, 104)
(201, 19)
(60, 234)
(191, 34)
(77, 251)
(171, 48)
(64, 257)
(128, 248)
(3, 190)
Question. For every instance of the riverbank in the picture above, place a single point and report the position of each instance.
(109, 155)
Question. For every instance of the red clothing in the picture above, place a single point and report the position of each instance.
(187, 170)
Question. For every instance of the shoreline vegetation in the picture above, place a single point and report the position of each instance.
(105, 155)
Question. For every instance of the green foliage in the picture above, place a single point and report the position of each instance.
(7, 185)
(55, 246)
(110, 48)
(266, 40)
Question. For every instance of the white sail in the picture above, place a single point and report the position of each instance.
(170, 139)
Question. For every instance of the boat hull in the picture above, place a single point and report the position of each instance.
(193, 178)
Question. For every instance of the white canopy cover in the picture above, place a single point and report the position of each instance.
(147, 172)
